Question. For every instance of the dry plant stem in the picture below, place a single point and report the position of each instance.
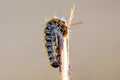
(64, 58)
(64, 53)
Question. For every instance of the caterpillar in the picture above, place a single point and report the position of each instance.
(55, 30)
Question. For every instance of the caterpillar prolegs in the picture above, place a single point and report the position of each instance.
(54, 32)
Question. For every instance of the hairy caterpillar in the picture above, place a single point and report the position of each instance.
(54, 32)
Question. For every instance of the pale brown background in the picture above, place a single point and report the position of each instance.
(94, 48)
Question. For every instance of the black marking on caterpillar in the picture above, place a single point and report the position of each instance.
(54, 32)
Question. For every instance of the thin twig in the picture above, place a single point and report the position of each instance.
(64, 71)
(64, 55)
(77, 23)
(64, 52)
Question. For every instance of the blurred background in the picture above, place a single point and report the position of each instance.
(94, 45)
